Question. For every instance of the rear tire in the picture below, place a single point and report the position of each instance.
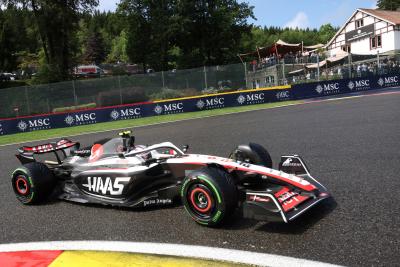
(32, 183)
(209, 195)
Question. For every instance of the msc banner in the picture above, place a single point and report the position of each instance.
(198, 103)
(135, 111)
(334, 87)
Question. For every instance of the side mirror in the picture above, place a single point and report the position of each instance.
(185, 148)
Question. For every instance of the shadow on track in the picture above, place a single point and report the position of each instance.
(303, 223)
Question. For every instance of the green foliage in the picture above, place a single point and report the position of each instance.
(118, 49)
(84, 106)
(166, 93)
(264, 37)
(55, 22)
(51, 37)
(94, 50)
(388, 4)
(211, 32)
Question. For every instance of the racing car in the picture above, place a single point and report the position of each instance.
(116, 171)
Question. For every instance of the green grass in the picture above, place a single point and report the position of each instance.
(64, 132)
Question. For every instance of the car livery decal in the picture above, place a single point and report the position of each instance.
(246, 167)
(289, 199)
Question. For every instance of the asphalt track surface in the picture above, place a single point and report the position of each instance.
(351, 146)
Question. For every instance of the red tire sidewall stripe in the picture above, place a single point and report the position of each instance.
(207, 195)
(23, 179)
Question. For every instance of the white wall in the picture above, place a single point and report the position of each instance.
(397, 40)
(390, 40)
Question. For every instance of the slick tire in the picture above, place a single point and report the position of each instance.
(32, 183)
(209, 196)
(252, 153)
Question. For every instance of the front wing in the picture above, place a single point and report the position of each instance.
(282, 205)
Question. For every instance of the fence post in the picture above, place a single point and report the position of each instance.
(379, 64)
(349, 65)
(163, 81)
(205, 77)
(28, 106)
(283, 71)
(245, 74)
(75, 96)
(120, 89)
(318, 67)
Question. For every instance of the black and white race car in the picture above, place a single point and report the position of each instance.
(117, 172)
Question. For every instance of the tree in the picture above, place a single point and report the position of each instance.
(326, 32)
(94, 49)
(205, 32)
(56, 24)
(211, 31)
(139, 32)
(118, 49)
(150, 31)
(388, 4)
(7, 41)
(16, 34)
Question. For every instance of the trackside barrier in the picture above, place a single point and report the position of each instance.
(344, 86)
(141, 110)
(197, 103)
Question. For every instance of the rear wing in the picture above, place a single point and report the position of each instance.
(61, 150)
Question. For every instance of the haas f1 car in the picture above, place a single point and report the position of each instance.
(117, 172)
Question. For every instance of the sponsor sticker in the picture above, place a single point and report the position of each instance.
(34, 124)
(80, 119)
(282, 95)
(389, 81)
(251, 98)
(157, 201)
(211, 103)
(359, 85)
(289, 163)
(106, 186)
(328, 89)
(125, 114)
(256, 198)
(168, 108)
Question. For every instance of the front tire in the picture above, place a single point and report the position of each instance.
(252, 153)
(209, 195)
(32, 183)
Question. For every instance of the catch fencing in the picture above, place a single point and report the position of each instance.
(197, 103)
(119, 90)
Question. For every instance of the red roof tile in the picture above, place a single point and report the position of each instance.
(391, 16)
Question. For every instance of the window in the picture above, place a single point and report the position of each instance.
(346, 48)
(379, 41)
(375, 41)
(359, 23)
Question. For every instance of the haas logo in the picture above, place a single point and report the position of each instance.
(98, 185)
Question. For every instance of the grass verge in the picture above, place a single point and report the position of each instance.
(105, 126)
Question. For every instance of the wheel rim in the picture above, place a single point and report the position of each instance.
(21, 185)
(201, 201)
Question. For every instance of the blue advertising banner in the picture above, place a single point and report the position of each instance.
(135, 111)
(198, 103)
(345, 86)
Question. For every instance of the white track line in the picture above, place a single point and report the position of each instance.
(209, 116)
(201, 252)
